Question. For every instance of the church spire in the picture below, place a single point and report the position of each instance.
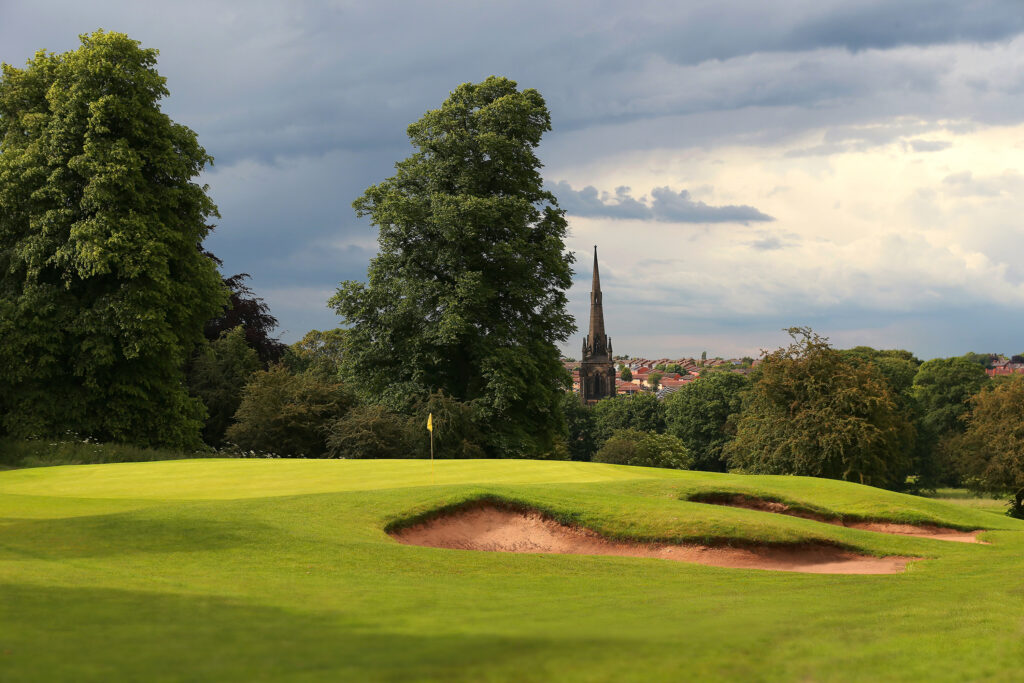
(597, 371)
(596, 308)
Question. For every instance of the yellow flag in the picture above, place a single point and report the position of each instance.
(430, 422)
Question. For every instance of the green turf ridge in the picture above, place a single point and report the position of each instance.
(795, 508)
(251, 570)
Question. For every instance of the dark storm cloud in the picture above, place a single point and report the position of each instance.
(666, 205)
(887, 24)
(305, 103)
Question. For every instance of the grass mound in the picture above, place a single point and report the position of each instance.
(236, 569)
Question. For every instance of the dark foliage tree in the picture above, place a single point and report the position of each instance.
(626, 375)
(702, 414)
(246, 310)
(103, 292)
(467, 293)
(813, 412)
(642, 412)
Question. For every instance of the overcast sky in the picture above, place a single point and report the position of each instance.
(743, 166)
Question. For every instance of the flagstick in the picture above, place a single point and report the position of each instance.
(431, 457)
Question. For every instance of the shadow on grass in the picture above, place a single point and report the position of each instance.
(84, 634)
(117, 534)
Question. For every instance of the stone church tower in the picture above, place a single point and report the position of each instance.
(597, 372)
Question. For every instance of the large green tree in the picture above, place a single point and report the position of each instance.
(814, 412)
(991, 449)
(103, 291)
(941, 392)
(943, 387)
(467, 292)
(702, 415)
(643, 412)
(217, 375)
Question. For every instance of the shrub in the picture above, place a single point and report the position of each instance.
(72, 449)
(644, 449)
(457, 430)
(287, 414)
(370, 432)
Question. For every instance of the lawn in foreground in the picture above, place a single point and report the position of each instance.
(266, 569)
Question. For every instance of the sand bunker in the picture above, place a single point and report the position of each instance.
(488, 527)
(919, 530)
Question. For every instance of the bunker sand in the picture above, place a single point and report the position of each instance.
(920, 530)
(490, 528)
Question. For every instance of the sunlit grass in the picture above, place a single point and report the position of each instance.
(280, 569)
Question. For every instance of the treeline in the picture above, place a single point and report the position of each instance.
(117, 326)
(878, 417)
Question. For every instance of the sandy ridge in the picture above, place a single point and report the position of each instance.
(490, 528)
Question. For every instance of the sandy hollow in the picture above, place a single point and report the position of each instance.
(920, 530)
(491, 528)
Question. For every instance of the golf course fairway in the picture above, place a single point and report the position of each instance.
(250, 569)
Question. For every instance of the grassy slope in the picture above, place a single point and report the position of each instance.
(261, 569)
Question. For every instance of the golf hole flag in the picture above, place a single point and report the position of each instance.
(430, 422)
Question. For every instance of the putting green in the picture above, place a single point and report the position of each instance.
(270, 569)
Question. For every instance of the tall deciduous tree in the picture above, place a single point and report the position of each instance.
(941, 392)
(942, 388)
(813, 412)
(217, 375)
(643, 412)
(701, 414)
(103, 292)
(992, 446)
(467, 293)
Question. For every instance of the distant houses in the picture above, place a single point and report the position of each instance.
(675, 373)
(1001, 366)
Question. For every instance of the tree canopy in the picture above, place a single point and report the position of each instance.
(467, 292)
(701, 414)
(642, 412)
(992, 446)
(942, 388)
(813, 412)
(103, 289)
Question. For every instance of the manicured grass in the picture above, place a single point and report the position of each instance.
(280, 569)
